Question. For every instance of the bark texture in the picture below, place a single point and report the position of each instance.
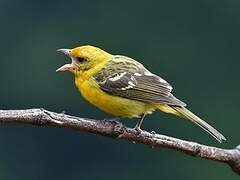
(119, 131)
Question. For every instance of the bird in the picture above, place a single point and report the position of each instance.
(123, 87)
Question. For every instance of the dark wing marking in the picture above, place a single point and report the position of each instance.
(129, 79)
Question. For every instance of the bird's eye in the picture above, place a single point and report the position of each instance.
(80, 59)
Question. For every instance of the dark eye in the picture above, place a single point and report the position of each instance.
(80, 59)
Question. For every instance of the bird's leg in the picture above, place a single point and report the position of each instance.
(139, 123)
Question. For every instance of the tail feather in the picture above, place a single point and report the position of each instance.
(185, 113)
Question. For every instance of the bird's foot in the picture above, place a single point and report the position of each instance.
(153, 132)
(138, 129)
(115, 120)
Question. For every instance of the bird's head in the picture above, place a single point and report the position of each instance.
(83, 58)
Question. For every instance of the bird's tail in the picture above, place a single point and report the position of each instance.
(186, 114)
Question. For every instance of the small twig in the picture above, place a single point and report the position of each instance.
(118, 130)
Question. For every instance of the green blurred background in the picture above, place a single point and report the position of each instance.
(194, 45)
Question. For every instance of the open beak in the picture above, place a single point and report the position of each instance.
(66, 67)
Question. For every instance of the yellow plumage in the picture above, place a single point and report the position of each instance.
(117, 106)
(123, 87)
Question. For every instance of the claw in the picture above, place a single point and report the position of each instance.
(153, 132)
(137, 129)
(116, 120)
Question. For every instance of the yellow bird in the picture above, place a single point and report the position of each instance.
(121, 86)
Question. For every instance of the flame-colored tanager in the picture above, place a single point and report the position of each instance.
(121, 86)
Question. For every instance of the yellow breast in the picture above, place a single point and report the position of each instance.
(111, 104)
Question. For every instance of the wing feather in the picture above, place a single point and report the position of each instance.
(127, 78)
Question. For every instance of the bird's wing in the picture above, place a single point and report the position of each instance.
(125, 77)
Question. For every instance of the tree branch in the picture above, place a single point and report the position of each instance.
(118, 130)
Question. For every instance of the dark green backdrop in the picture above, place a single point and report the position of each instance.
(192, 44)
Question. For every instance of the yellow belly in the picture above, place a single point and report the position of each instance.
(112, 104)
